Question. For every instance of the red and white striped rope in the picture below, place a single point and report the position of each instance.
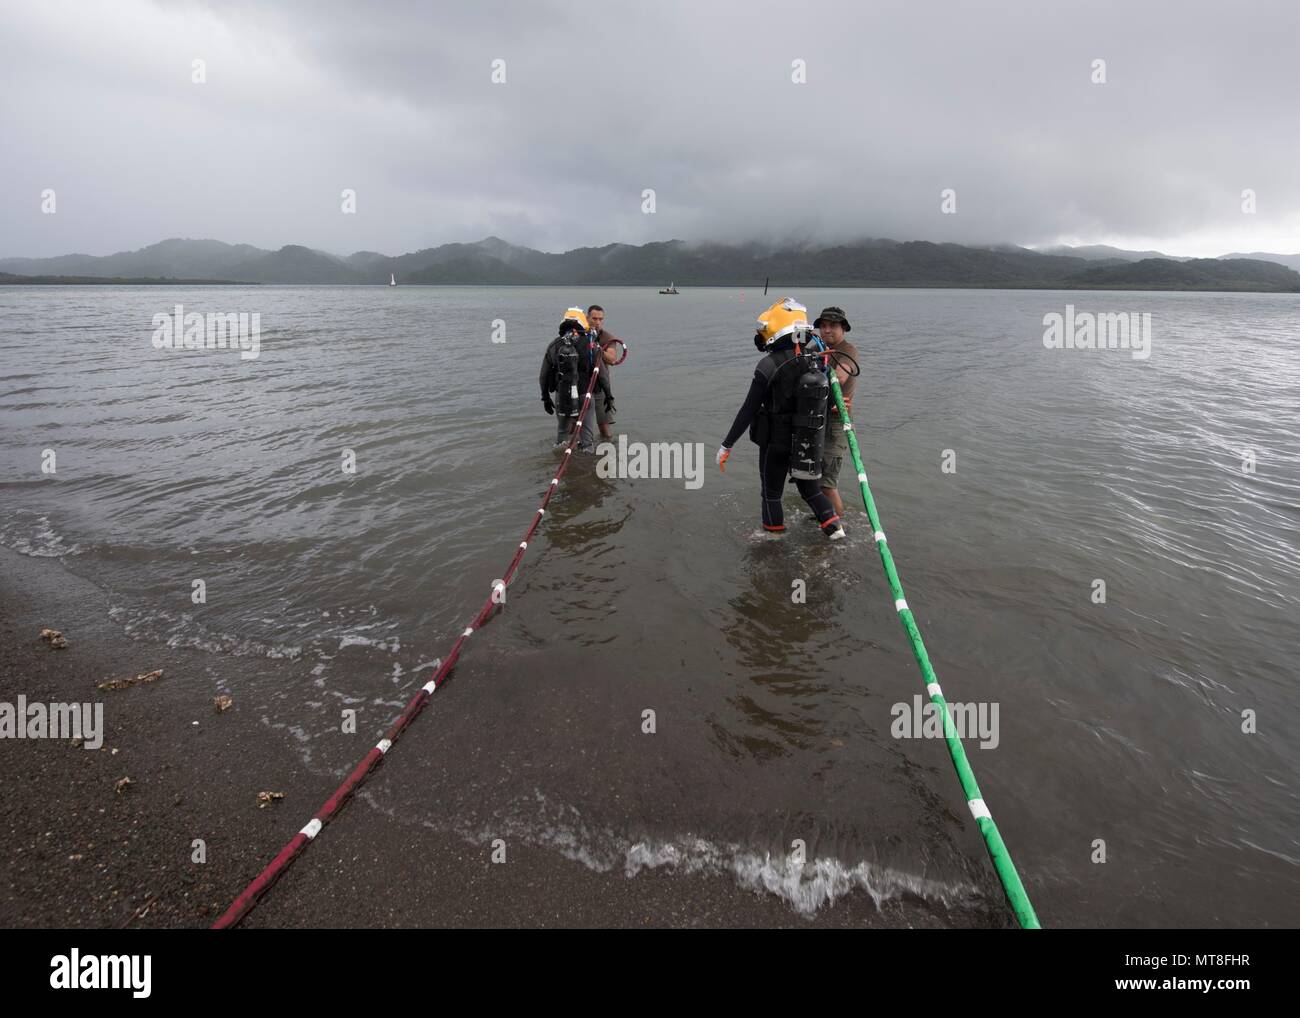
(249, 897)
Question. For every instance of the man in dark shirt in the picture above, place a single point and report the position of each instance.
(605, 411)
(831, 325)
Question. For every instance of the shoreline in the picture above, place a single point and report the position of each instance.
(861, 285)
(77, 853)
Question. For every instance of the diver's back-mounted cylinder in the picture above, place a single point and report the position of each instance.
(566, 379)
(809, 424)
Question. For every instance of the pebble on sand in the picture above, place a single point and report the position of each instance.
(132, 680)
(54, 638)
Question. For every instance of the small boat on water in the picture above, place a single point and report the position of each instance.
(671, 289)
(392, 279)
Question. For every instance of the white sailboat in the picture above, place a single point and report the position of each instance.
(392, 279)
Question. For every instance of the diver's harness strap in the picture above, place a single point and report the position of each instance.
(767, 420)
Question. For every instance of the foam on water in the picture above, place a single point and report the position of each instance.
(806, 887)
(29, 534)
(182, 630)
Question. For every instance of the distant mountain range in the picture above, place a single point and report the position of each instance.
(865, 263)
(1103, 252)
(8, 277)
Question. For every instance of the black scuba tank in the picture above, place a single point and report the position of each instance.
(566, 378)
(808, 425)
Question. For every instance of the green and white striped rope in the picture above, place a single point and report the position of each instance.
(997, 849)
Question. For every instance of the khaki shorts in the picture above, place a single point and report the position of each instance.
(834, 453)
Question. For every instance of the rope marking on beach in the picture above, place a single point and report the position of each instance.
(249, 897)
(1006, 869)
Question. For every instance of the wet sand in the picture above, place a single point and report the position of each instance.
(74, 852)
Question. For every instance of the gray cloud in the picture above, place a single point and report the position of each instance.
(693, 100)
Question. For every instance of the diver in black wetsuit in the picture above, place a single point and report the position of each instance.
(783, 414)
(567, 367)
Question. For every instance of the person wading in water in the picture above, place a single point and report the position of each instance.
(567, 367)
(605, 411)
(785, 412)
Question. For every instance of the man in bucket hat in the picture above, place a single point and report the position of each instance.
(831, 325)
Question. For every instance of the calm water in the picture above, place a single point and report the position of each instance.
(1119, 721)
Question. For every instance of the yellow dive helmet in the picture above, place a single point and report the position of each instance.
(784, 317)
(575, 315)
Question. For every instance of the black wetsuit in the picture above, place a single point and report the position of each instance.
(767, 412)
(587, 353)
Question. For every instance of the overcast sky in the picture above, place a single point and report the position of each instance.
(694, 99)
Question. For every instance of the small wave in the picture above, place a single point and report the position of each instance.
(807, 887)
(392, 646)
(35, 536)
(183, 632)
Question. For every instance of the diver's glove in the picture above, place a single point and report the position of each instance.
(609, 404)
(721, 459)
(547, 404)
